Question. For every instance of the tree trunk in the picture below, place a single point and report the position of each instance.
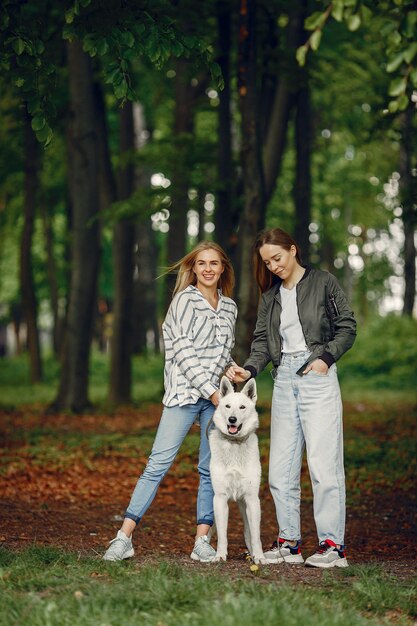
(29, 302)
(253, 216)
(85, 253)
(302, 184)
(408, 187)
(146, 254)
(123, 243)
(146, 308)
(183, 129)
(226, 201)
(277, 126)
(57, 328)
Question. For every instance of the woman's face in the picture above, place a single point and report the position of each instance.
(208, 268)
(279, 261)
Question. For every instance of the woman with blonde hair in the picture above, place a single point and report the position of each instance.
(198, 333)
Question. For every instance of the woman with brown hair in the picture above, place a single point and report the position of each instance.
(198, 333)
(304, 325)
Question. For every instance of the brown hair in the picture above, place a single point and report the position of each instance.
(184, 268)
(275, 237)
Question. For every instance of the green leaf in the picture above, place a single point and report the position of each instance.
(315, 39)
(393, 106)
(38, 122)
(102, 47)
(314, 20)
(410, 52)
(128, 39)
(69, 16)
(353, 22)
(19, 82)
(45, 134)
(413, 76)
(177, 48)
(366, 14)
(397, 86)
(216, 70)
(337, 10)
(18, 46)
(395, 62)
(301, 55)
(403, 102)
(120, 91)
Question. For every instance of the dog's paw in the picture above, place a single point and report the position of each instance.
(260, 560)
(219, 557)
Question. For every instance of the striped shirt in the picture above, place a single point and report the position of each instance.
(198, 342)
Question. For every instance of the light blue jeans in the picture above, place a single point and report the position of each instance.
(175, 423)
(307, 412)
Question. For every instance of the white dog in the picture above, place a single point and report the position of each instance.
(235, 466)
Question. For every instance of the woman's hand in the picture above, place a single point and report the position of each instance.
(318, 366)
(237, 374)
(215, 397)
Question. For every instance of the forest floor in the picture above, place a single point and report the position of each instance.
(65, 481)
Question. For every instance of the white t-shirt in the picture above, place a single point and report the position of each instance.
(290, 328)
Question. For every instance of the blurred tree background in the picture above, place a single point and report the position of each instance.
(131, 130)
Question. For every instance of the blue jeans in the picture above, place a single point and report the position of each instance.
(175, 423)
(307, 412)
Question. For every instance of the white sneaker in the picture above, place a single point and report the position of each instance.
(281, 551)
(328, 555)
(119, 548)
(203, 551)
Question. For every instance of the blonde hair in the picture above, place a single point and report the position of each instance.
(186, 276)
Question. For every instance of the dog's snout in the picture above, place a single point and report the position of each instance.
(232, 419)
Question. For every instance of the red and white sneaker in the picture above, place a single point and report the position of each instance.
(281, 551)
(328, 555)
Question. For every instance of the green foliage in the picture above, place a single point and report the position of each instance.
(47, 586)
(384, 355)
(398, 28)
(32, 37)
(14, 374)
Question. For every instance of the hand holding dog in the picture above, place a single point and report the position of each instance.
(237, 374)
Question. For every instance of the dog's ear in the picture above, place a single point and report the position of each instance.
(250, 390)
(225, 387)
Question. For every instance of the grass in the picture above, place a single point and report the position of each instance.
(16, 391)
(48, 587)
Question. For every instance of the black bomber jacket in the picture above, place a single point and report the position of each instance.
(326, 318)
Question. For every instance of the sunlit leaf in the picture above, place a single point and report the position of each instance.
(410, 52)
(314, 20)
(395, 62)
(315, 39)
(397, 86)
(353, 22)
(301, 55)
(403, 102)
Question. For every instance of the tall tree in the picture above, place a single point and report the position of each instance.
(408, 195)
(302, 178)
(123, 255)
(225, 216)
(29, 301)
(253, 214)
(182, 136)
(85, 255)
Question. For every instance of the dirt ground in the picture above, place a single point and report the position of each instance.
(79, 505)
